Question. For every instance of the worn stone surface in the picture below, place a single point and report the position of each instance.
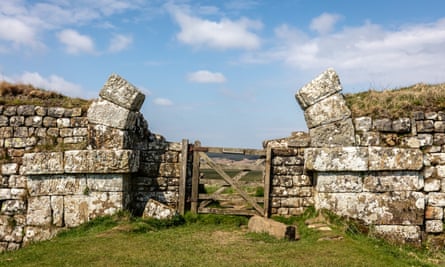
(400, 234)
(104, 137)
(39, 211)
(401, 125)
(324, 85)
(363, 124)
(339, 133)
(76, 210)
(326, 111)
(404, 208)
(122, 93)
(157, 210)
(46, 185)
(436, 199)
(101, 161)
(382, 158)
(434, 226)
(388, 181)
(108, 182)
(433, 213)
(43, 163)
(9, 168)
(38, 233)
(279, 230)
(109, 114)
(336, 159)
(339, 182)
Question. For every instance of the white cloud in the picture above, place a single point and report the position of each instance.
(225, 34)
(367, 53)
(75, 42)
(119, 42)
(205, 76)
(52, 83)
(324, 23)
(162, 102)
(16, 31)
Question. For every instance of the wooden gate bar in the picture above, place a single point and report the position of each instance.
(229, 180)
(195, 179)
(267, 181)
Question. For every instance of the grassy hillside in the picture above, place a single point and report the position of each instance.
(397, 103)
(25, 94)
(208, 240)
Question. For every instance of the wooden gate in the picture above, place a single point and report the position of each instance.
(219, 195)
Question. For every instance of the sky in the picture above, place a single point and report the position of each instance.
(221, 72)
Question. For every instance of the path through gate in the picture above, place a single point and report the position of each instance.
(236, 187)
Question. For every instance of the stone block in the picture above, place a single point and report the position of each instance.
(436, 199)
(39, 211)
(368, 139)
(324, 85)
(433, 213)
(388, 181)
(4, 121)
(401, 125)
(340, 133)
(101, 161)
(384, 158)
(108, 182)
(13, 207)
(47, 185)
(326, 111)
(17, 121)
(34, 121)
(25, 110)
(56, 112)
(439, 139)
(425, 126)
(105, 137)
(109, 114)
(292, 202)
(279, 230)
(338, 182)
(336, 159)
(57, 210)
(363, 124)
(63, 122)
(38, 233)
(434, 226)
(10, 110)
(122, 93)
(403, 208)
(399, 234)
(76, 210)
(432, 185)
(106, 203)
(43, 163)
(9, 168)
(157, 210)
(439, 126)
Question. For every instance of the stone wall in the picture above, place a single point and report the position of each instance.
(61, 168)
(388, 174)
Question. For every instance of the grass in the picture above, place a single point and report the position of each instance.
(252, 176)
(25, 94)
(397, 103)
(205, 240)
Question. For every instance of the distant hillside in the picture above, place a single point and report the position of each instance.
(397, 103)
(25, 94)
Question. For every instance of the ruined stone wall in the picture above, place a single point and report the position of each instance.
(388, 174)
(61, 168)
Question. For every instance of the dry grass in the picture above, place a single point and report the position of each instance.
(25, 94)
(399, 102)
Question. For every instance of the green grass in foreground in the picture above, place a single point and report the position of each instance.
(204, 240)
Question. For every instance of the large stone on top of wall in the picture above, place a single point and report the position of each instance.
(122, 93)
(336, 159)
(326, 84)
(43, 163)
(101, 161)
(109, 114)
(387, 158)
(326, 111)
(339, 133)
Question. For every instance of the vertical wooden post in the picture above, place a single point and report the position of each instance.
(183, 177)
(267, 181)
(195, 179)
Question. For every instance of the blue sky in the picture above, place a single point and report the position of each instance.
(222, 72)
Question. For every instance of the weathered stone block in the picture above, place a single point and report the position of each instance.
(425, 126)
(38, 233)
(157, 210)
(34, 121)
(279, 230)
(339, 182)
(4, 121)
(57, 210)
(434, 226)
(292, 202)
(43, 163)
(109, 114)
(122, 93)
(9, 168)
(436, 199)
(101, 161)
(63, 122)
(368, 139)
(439, 126)
(39, 211)
(13, 207)
(383, 158)
(105, 203)
(76, 210)
(439, 139)
(400, 234)
(363, 124)
(433, 213)
(324, 85)
(432, 185)
(42, 185)
(336, 159)
(326, 111)
(404, 208)
(340, 133)
(56, 112)
(388, 181)
(102, 136)
(401, 125)
(382, 125)
(108, 182)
